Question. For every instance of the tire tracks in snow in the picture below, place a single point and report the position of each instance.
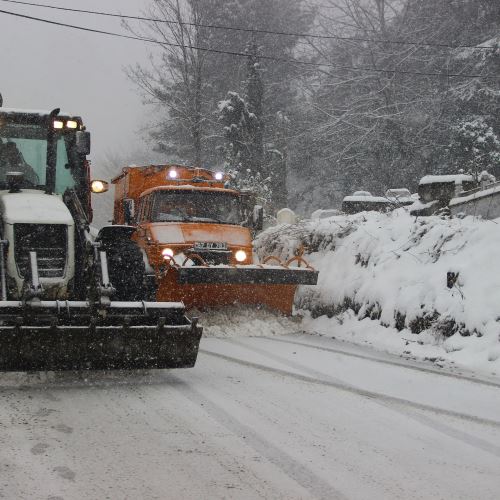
(297, 472)
(318, 378)
(301, 474)
(449, 431)
(385, 362)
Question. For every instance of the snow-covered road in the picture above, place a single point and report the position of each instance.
(284, 417)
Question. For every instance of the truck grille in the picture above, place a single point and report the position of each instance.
(50, 244)
(215, 258)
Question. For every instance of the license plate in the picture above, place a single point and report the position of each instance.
(210, 245)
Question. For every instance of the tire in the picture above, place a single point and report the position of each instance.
(127, 271)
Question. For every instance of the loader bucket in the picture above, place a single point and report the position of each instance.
(204, 287)
(54, 336)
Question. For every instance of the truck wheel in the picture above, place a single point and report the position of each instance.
(127, 271)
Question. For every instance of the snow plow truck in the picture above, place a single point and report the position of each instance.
(70, 301)
(195, 231)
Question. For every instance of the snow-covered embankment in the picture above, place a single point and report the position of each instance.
(391, 271)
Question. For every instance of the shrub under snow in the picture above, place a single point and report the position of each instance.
(393, 268)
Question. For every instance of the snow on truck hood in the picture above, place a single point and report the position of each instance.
(32, 206)
(178, 234)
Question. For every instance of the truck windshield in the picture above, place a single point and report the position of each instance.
(23, 148)
(197, 206)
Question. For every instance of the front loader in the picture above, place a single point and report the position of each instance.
(69, 301)
(195, 230)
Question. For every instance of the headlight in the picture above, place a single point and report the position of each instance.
(167, 253)
(98, 186)
(240, 256)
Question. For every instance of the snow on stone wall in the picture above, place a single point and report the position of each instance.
(393, 268)
(485, 203)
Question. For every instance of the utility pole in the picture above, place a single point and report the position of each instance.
(255, 96)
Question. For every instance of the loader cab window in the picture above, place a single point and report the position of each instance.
(23, 148)
(196, 206)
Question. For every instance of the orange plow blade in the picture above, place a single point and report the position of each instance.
(217, 286)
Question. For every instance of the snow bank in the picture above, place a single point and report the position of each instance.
(393, 269)
(245, 321)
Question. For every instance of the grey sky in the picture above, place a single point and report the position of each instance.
(45, 66)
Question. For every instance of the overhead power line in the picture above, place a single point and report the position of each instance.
(244, 54)
(246, 30)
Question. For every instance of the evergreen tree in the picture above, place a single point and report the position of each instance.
(240, 125)
(187, 84)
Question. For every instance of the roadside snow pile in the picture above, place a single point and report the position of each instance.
(242, 321)
(453, 353)
(393, 269)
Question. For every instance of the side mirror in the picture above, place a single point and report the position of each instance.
(258, 218)
(15, 181)
(83, 142)
(128, 211)
(98, 187)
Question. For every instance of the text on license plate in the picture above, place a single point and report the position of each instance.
(210, 245)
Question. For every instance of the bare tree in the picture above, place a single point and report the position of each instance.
(175, 81)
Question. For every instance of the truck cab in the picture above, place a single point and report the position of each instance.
(184, 211)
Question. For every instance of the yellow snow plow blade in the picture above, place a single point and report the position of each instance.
(204, 287)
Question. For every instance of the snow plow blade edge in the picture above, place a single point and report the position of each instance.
(198, 275)
(57, 336)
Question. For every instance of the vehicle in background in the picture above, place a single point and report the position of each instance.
(362, 201)
(195, 231)
(400, 197)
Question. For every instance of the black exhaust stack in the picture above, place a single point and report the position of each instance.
(50, 182)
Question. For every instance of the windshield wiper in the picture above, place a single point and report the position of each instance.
(196, 219)
(212, 219)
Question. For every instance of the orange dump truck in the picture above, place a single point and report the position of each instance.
(196, 235)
